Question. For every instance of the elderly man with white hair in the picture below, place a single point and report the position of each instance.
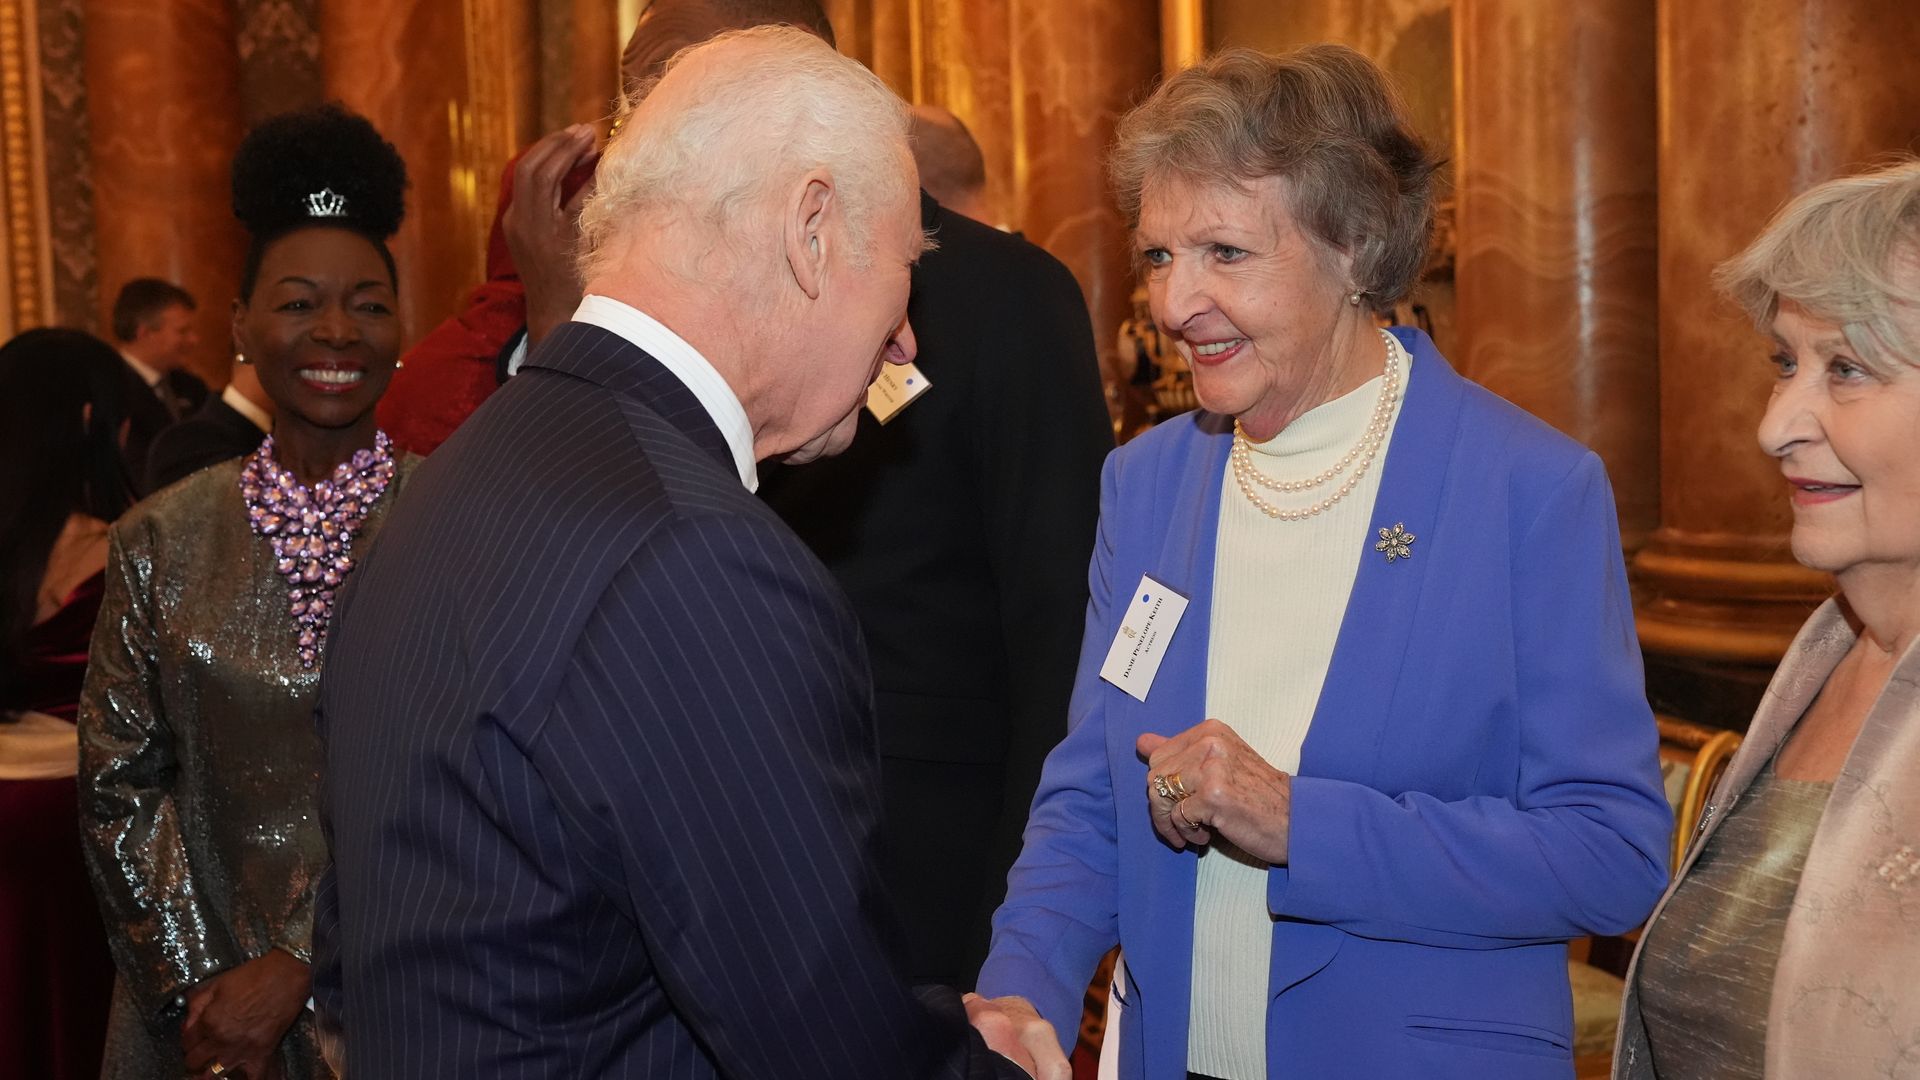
(601, 782)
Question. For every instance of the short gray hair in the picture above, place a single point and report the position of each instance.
(1323, 117)
(1848, 251)
(795, 105)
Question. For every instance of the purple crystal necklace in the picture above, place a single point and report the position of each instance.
(312, 529)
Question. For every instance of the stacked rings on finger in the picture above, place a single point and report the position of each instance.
(1179, 788)
(1164, 789)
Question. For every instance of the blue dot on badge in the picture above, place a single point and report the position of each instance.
(1144, 598)
(909, 382)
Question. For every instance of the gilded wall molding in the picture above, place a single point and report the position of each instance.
(28, 264)
(496, 118)
(66, 156)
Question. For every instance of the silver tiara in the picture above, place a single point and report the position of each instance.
(324, 203)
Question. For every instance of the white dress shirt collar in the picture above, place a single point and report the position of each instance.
(687, 365)
(147, 375)
(239, 403)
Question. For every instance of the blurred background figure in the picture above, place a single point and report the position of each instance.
(952, 169)
(230, 424)
(198, 762)
(153, 323)
(63, 402)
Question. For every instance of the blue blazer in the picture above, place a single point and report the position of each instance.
(1480, 782)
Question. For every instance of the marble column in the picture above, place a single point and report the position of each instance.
(967, 56)
(1078, 65)
(1557, 298)
(1760, 99)
(403, 64)
(163, 109)
(579, 61)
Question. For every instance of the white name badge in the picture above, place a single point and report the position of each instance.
(895, 389)
(1146, 628)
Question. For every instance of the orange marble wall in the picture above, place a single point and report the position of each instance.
(967, 63)
(1760, 99)
(1557, 299)
(163, 110)
(279, 46)
(1040, 83)
(1411, 39)
(373, 61)
(1078, 65)
(579, 60)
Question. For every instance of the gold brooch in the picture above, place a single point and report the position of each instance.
(1397, 542)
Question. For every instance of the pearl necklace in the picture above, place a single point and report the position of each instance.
(1360, 457)
(311, 530)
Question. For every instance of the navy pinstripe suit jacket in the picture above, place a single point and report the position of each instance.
(600, 770)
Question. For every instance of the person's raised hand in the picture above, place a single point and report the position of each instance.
(542, 225)
(1206, 781)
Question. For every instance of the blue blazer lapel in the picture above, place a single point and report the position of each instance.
(1358, 694)
(1364, 676)
(1177, 701)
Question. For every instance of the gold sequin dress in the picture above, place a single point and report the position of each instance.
(198, 763)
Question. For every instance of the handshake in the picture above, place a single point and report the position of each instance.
(1013, 1029)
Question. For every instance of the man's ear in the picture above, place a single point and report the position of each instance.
(804, 231)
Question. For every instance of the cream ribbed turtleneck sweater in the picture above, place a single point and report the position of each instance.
(1280, 589)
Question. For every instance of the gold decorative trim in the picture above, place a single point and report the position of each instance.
(29, 258)
(486, 127)
(1183, 34)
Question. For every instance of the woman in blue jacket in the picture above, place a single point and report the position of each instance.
(1359, 738)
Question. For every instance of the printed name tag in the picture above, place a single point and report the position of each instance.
(895, 389)
(1145, 630)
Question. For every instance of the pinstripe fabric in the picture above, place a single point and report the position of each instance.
(601, 781)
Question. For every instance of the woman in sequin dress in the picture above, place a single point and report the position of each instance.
(62, 396)
(198, 759)
(1789, 945)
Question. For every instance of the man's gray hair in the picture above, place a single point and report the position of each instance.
(1848, 251)
(752, 126)
(1325, 118)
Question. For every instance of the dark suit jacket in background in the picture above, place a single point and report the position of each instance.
(214, 433)
(600, 777)
(962, 530)
(148, 416)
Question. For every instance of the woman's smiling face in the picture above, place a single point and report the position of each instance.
(320, 326)
(1249, 299)
(1844, 431)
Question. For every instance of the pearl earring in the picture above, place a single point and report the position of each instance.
(1354, 297)
(239, 358)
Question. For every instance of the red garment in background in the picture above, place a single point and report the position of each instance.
(448, 373)
(56, 979)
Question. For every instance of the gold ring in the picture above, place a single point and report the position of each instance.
(1179, 788)
(1182, 820)
(1162, 789)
